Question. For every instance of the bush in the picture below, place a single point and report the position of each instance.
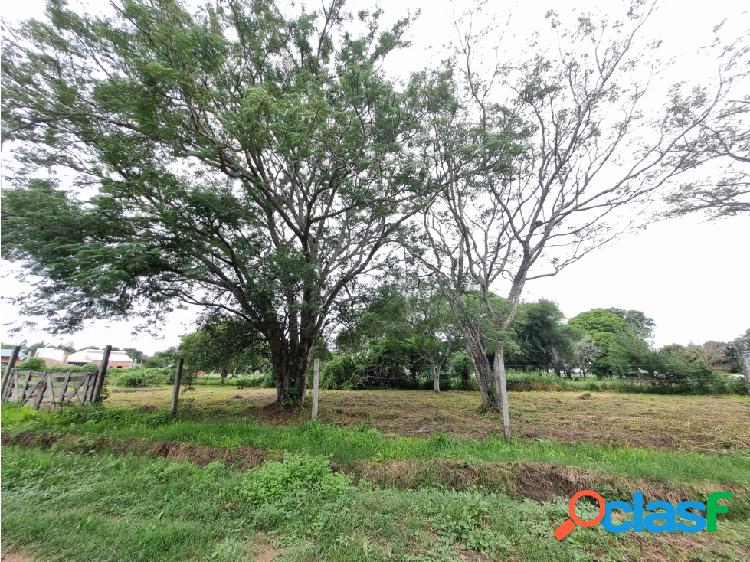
(461, 368)
(87, 368)
(135, 378)
(299, 475)
(705, 383)
(340, 372)
(32, 364)
(250, 380)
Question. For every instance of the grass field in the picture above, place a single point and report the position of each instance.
(383, 475)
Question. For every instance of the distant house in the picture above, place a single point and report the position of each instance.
(51, 356)
(6, 354)
(117, 359)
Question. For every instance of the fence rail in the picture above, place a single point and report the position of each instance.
(45, 389)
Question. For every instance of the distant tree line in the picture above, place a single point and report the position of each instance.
(403, 336)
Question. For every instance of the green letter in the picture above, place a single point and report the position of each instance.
(713, 509)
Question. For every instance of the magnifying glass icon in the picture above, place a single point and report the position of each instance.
(569, 524)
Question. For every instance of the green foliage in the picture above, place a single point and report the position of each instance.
(165, 358)
(461, 368)
(620, 350)
(703, 383)
(33, 364)
(403, 334)
(348, 445)
(252, 380)
(87, 368)
(541, 340)
(295, 480)
(140, 377)
(217, 147)
(223, 344)
(92, 506)
(340, 372)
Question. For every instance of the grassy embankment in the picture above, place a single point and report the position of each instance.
(232, 480)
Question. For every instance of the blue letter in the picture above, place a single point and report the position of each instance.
(637, 512)
(697, 518)
(607, 521)
(668, 517)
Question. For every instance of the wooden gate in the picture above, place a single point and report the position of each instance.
(50, 389)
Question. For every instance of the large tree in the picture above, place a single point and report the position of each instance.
(560, 145)
(237, 158)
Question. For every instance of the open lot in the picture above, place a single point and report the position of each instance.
(685, 423)
(384, 475)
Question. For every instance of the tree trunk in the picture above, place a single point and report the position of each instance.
(501, 392)
(289, 364)
(465, 381)
(484, 374)
(223, 375)
(482, 367)
(435, 378)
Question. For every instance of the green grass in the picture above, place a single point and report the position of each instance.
(83, 507)
(88, 498)
(347, 445)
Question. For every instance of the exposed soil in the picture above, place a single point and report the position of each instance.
(16, 557)
(539, 481)
(200, 455)
(266, 553)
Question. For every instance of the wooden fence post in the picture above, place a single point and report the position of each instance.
(97, 391)
(11, 364)
(176, 388)
(65, 388)
(316, 387)
(41, 388)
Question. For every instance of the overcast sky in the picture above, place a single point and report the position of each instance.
(691, 276)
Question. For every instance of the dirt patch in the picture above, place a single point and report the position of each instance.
(237, 457)
(16, 557)
(266, 553)
(273, 415)
(263, 551)
(30, 439)
(539, 481)
(200, 455)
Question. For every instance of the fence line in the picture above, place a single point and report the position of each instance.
(42, 388)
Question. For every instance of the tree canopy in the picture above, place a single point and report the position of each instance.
(236, 157)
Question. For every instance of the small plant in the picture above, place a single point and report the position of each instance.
(298, 475)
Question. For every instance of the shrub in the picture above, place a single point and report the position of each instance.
(278, 482)
(251, 380)
(33, 364)
(134, 378)
(462, 368)
(87, 368)
(340, 372)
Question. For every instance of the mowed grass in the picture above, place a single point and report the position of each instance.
(350, 444)
(686, 423)
(87, 496)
